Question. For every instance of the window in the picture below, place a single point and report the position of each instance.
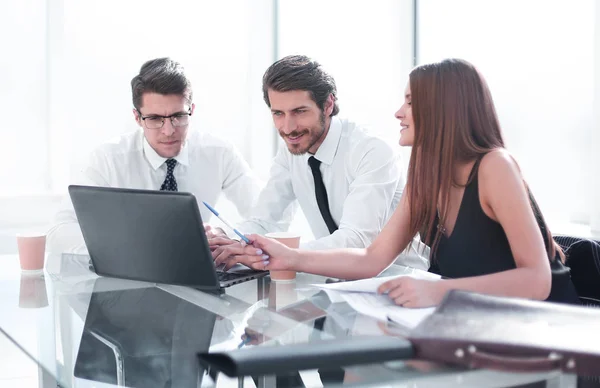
(538, 58)
(73, 61)
(365, 46)
(23, 98)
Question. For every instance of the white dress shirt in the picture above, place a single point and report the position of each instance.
(206, 167)
(364, 182)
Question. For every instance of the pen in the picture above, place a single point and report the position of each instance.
(396, 327)
(245, 341)
(216, 213)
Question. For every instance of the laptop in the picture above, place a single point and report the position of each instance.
(144, 337)
(152, 236)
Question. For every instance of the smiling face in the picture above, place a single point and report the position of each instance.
(168, 140)
(404, 114)
(299, 121)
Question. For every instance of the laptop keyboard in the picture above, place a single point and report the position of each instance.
(224, 276)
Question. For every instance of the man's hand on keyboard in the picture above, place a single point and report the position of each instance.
(214, 231)
(232, 252)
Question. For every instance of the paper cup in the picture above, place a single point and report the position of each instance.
(291, 240)
(32, 250)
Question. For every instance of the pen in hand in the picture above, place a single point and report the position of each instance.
(247, 339)
(216, 213)
(244, 342)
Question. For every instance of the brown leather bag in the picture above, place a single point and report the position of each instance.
(511, 334)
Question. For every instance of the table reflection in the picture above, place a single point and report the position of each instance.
(32, 291)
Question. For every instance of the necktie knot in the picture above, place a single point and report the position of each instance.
(171, 164)
(314, 163)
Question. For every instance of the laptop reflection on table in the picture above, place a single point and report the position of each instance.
(143, 337)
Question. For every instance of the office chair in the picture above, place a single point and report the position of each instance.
(583, 257)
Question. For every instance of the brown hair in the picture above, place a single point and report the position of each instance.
(163, 76)
(299, 72)
(454, 122)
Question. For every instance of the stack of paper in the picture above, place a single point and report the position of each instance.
(362, 296)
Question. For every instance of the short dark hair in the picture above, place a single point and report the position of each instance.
(162, 76)
(298, 72)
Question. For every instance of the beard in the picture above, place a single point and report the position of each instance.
(314, 135)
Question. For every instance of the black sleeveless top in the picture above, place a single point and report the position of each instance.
(478, 246)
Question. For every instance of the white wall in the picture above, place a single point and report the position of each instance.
(23, 97)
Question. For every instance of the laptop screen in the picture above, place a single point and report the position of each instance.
(146, 235)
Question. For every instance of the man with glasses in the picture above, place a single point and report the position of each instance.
(164, 155)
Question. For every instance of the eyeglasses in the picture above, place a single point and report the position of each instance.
(157, 122)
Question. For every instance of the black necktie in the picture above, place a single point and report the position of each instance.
(321, 194)
(170, 184)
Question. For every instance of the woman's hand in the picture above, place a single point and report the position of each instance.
(262, 254)
(406, 291)
(281, 258)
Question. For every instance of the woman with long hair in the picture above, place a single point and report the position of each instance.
(466, 197)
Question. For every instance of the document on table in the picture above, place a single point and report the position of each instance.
(362, 296)
(371, 285)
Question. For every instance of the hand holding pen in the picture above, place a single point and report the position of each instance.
(264, 254)
(226, 251)
(255, 252)
(257, 325)
(223, 220)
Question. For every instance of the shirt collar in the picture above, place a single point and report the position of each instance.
(156, 160)
(328, 148)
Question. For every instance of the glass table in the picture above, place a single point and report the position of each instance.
(88, 331)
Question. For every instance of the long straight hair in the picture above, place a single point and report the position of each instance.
(455, 121)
